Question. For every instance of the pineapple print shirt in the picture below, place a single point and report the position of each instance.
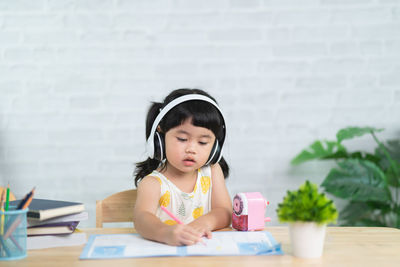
(185, 206)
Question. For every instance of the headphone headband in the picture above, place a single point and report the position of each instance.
(168, 107)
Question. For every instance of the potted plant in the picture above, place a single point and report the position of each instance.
(369, 181)
(308, 212)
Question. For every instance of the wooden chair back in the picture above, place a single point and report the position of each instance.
(116, 208)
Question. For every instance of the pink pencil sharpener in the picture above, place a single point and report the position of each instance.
(248, 211)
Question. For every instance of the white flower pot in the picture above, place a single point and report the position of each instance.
(307, 239)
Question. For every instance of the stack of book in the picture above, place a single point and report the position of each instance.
(52, 223)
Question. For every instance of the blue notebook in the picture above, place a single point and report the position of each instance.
(230, 243)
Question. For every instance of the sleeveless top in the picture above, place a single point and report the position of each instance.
(185, 206)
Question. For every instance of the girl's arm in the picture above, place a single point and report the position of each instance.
(221, 205)
(148, 225)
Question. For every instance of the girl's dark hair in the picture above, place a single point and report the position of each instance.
(203, 114)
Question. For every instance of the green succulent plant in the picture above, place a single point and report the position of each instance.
(307, 205)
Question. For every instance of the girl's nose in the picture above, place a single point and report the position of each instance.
(190, 148)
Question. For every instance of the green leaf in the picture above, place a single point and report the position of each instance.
(382, 207)
(340, 154)
(390, 168)
(393, 179)
(372, 158)
(393, 146)
(358, 180)
(364, 155)
(351, 132)
(354, 211)
(364, 214)
(319, 150)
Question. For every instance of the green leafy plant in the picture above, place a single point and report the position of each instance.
(369, 181)
(307, 205)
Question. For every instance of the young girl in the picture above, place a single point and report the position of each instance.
(184, 172)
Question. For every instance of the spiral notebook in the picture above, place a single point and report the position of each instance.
(230, 243)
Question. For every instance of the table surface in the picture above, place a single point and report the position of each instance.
(344, 246)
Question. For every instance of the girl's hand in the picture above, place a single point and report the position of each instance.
(202, 229)
(181, 234)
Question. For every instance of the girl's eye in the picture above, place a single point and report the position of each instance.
(203, 143)
(181, 139)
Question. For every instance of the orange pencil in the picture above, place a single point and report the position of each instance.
(2, 199)
(26, 201)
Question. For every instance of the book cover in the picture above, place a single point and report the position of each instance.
(82, 216)
(43, 209)
(50, 241)
(53, 228)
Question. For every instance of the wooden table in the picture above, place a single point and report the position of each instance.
(344, 246)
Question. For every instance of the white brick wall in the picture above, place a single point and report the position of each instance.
(76, 78)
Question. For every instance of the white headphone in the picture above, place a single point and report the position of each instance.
(154, 137)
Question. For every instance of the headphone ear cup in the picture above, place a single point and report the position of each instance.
(214, 155)
(159, 146)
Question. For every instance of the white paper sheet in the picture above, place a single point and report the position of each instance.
(222, 243)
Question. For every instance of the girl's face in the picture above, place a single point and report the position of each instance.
(188, 147)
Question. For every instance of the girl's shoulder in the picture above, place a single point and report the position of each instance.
(149, 186)
(211, 170)
(216, 171)
(153, 179)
